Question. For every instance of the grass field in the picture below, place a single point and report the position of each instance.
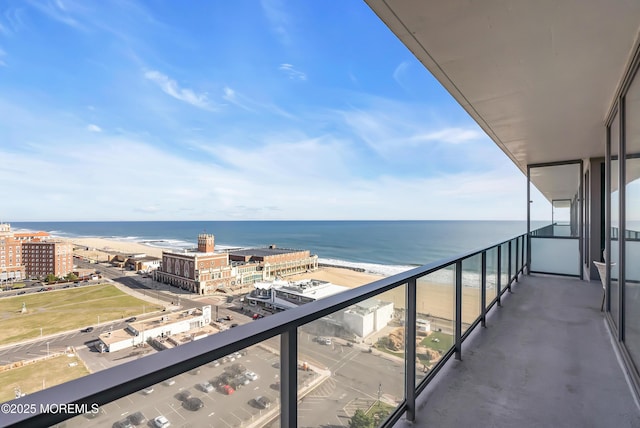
(29, 378)
(445, 341)
(64, 310)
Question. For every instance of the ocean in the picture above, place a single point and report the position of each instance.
(381, 247)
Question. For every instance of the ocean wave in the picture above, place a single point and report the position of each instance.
(377, 269)
(445, 276)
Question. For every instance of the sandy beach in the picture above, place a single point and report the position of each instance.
(98, 247)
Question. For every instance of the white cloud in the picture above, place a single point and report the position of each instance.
(57, 11)
(449, 135)
(292, 72)
(279, 20)
(171, 87)
(93, 128)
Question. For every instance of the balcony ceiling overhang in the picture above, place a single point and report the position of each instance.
(539, 77)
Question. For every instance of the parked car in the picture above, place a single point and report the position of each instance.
(193, 404)
(183, 395)
(125, 423)
(263, 402)
(251, 375)
(21, 292)
(169, 382)
(148, 391)
(137, 418)
(227, 389)
(205, 387)
(87, 330)
(132, 319)
(161, 422)
(236, 368)
(214, 363)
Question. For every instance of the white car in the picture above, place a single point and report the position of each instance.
(237, 355)
(251, 375)
(161, 422)
(148, 391)
(327, 341)
(206, 387)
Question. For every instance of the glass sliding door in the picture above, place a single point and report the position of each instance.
(614, 201)
(632, 222)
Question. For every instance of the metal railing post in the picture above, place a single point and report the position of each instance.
(524, 249)
(483, 288)
(289, 378)
(509, 269)
(459, 310)
(499, 281)
(517, 258)
(410, 352)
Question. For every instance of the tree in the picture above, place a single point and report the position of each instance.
(51, 278)
(361, 420)
(71, 277)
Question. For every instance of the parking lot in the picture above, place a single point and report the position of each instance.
(219, 409)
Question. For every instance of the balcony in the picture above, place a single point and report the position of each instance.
(545, 359)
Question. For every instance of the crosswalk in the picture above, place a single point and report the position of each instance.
(358, 404)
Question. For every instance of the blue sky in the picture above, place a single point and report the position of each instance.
(163, 110)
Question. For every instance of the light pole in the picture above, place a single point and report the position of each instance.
(47, 349)
(98, 319)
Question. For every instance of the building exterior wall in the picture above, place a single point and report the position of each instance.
(201, 273)
(47, 257)
(11, 259)
(383, 315)
(358, 323)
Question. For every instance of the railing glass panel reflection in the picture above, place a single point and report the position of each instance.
(410, 324)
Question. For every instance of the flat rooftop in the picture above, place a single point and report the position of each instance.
(263, 252)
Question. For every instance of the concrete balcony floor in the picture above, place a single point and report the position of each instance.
(546, 359)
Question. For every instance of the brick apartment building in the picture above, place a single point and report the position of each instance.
(42, 258)
(201, 272)
(11, 263)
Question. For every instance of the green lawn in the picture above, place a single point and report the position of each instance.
(445, 341)
(382, 410)
(30, 378)
(70, 309)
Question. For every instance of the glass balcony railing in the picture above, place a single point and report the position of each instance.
(366, 352)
